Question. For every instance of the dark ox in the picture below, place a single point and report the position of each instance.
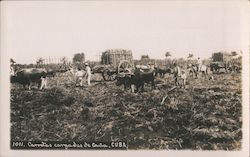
(51, 73)
(160, 71)
(137, 79)
(33, 75)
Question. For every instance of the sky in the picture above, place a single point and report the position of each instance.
(33, 29)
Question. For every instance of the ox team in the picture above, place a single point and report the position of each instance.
(146, 74)
(134, 80)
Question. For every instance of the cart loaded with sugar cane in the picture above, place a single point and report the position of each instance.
(228, 62)
(113, 62)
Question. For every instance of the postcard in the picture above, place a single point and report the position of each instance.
(126, 78)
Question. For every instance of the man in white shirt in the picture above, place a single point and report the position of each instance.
(183, 79)
(12, 71)
(199, 64)
(88, 73)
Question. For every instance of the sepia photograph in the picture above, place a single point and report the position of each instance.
(157, 76)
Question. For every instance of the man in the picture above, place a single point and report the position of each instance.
(88, 73)
(79, 77)
(71, 70)
(12, 71)
(177, 73)
(199, 64)
(43, 83)
(183, 79)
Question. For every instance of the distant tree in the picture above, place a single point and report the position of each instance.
(12, 62)
(40, 61)
(145, 57)
(233, 53)
(64, 60)
(167, 54)
(79, 57)
(190, 55)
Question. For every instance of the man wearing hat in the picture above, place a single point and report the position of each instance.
(88, 73)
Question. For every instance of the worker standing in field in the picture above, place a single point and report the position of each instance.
(79, 77)
(88, 73)
(12, 71)
(199, 64)
(177, 74)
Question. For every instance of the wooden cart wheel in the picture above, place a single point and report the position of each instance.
(123, 66)
(108, 75)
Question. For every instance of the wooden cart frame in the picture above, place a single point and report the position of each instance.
(113, 62)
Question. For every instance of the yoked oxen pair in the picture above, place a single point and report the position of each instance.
(32, 75)
(136, 79)
(161, 71)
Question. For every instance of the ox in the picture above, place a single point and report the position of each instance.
(162, 71)
(51, 73)
(137, 79)
(32, 75)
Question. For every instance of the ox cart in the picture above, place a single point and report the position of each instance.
(218, 62)
(226, 61)
(113, 62)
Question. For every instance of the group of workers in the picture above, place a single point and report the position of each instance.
(180, 75)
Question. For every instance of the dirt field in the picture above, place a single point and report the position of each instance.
(207, 115)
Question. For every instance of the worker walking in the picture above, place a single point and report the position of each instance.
(199, 64)
(88, 73)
